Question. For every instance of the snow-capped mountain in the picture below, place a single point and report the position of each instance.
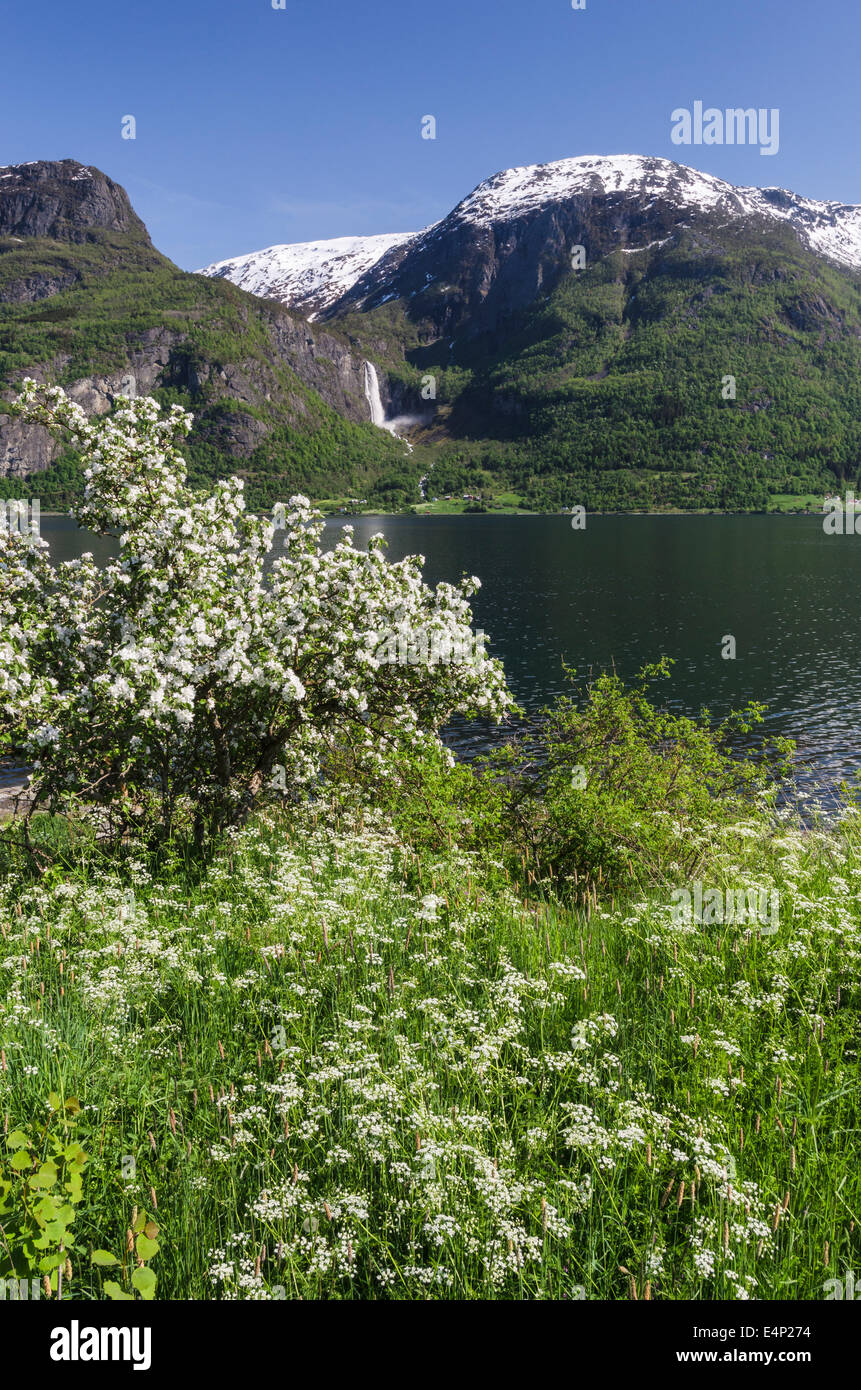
(829, 228)
(310, 275)
(612, 202)
(833, 230)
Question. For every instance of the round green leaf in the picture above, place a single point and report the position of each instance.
(46, 1176)
(145, 1247)
(144, 1281)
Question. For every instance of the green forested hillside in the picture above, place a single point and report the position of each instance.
(610, 391)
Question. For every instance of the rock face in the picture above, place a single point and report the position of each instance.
(324, 362)
(26, 449)
(36, 286)
(63, 200)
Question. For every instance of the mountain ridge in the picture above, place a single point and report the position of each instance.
(309, 275)
(359, 274)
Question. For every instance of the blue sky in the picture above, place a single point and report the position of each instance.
(257, 125)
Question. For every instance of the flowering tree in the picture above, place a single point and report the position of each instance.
(161, 692)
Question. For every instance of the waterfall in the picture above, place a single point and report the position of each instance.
(378, 413)
(372, 396)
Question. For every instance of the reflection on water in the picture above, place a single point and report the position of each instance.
(631, 588)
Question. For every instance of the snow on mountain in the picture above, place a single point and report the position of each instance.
(312, 276)
(308, 275)
(829, 228)
(516, 191)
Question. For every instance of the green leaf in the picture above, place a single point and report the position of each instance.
(20, 1161)
(103, 1257)
(49, 1262)
(144, 1281)
(116, 1293)
(54, 1101)
(17, 1139)
(146, 1248)
(46, 1176)
(55, 1231)
(48, 1207)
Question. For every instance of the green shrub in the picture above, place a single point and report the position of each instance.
(41, 1186)
(610, 789)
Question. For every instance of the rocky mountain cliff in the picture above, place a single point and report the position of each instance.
(64, 200)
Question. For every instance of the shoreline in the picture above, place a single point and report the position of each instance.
(493, 512)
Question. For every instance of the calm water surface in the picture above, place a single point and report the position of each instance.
(629, 589)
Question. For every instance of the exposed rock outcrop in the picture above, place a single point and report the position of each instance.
(64, 200)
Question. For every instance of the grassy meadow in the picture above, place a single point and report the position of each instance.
(331, 1064)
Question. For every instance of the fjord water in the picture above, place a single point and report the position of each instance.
(629, 589)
